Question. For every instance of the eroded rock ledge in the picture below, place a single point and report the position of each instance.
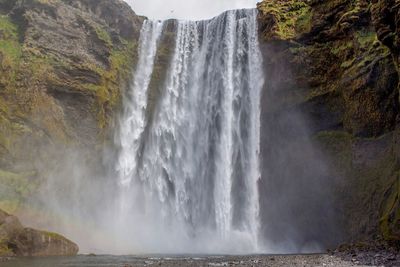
(16, 240)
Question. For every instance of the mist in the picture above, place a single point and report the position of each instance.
(187, 9)
(168, 186)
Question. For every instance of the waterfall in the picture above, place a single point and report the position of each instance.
(135, 103)
(188, 175)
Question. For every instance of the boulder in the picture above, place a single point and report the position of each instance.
(16, 240)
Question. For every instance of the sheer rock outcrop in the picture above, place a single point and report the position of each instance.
(337, 63)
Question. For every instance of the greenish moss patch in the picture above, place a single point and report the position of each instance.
(14, 188)
(10, 50)
(366, 38)
(104, 36)
(293, 17)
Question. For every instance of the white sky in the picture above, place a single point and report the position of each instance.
(187, 9)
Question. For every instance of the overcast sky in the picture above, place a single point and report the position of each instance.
(187, 9)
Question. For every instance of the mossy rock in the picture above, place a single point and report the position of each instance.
(95, 75)
(10, 51)
(287, 18)
(16, 188)
(16, 240)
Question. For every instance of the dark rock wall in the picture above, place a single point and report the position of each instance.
(340, 76)
(297, 205)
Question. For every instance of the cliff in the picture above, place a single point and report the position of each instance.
(337, 63)
(63, 67)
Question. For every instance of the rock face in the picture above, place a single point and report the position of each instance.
(15, 240)
(63, 67)
(337, 63)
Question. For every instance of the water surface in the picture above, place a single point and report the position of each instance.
(178, 261)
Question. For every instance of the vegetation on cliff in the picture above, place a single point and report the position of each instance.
(344, 75)
(64, 65)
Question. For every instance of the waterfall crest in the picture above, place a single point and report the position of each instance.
(188, 175)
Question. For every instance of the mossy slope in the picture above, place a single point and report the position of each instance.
(63, 67)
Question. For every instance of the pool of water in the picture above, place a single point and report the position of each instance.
(180, 261)
(120, 261)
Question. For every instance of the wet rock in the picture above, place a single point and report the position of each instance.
(16, 240)
(372, 252)
(337, 64)
(64, 66)
(65, 74)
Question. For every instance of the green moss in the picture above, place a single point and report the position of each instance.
(15, 187)
(366, 38)
(21, 182)
(353, 11)
(8, 29)
(373, 52)
(10, 50)
(9, 44)
(53, 235)
(104, 36)
(23, 65)
(347, 64)
(164, 53)
(10, 129)
(293, 17)
(39, 66)
(341, 47)
(122, 60)
(108, 91)
(304, 21)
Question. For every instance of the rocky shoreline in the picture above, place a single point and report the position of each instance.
(376, 252)
(190, 261)
(371, 253)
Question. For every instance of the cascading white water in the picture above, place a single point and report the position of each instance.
(135, 103)
(189, 173)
